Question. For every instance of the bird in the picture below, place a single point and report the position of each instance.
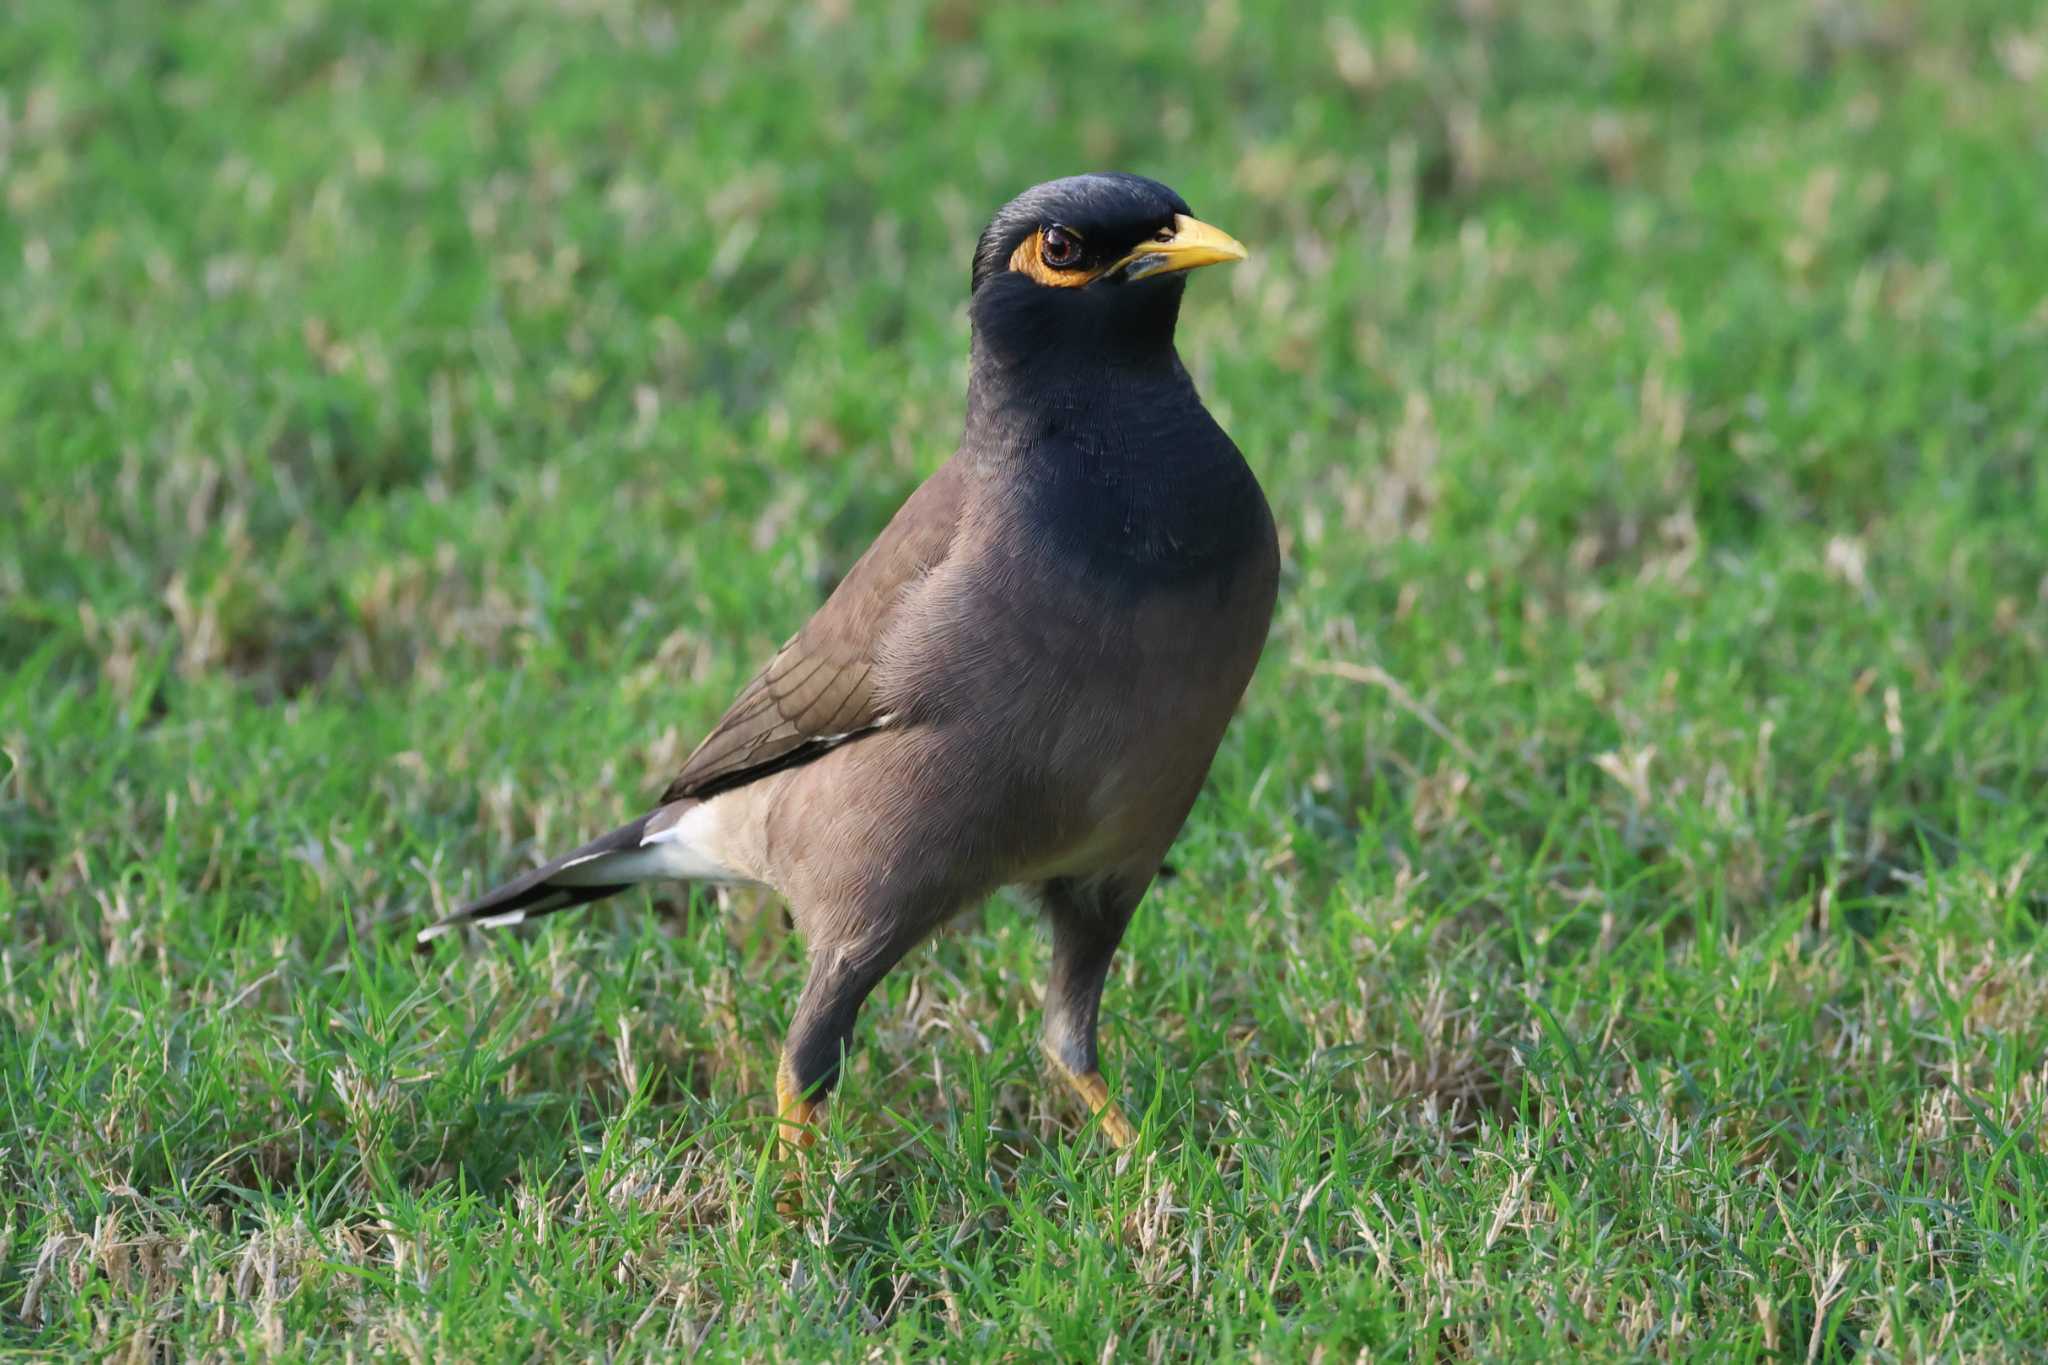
(1022, 682)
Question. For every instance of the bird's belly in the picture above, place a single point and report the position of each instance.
(1052, 722)
(1125, 819)
(1122, 797)
(1133, 723)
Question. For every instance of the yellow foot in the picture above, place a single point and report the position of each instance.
(789, 1202)
(1094, 1092)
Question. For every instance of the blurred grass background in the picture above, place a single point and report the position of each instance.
(1616, 919)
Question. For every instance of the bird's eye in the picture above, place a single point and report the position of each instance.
(1164, 234)
(1059, 248)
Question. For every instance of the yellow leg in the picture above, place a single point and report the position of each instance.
(797, 1115)
(1094, 1092)
(796, 1131)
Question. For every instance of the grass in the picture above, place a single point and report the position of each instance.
(1618, 919)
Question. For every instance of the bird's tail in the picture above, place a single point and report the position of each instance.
(652, 848)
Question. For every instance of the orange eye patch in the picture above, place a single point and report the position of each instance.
(1029, 259)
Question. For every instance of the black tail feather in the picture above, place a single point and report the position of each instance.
(538, 892)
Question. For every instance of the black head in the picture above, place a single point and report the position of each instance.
(1089, 269)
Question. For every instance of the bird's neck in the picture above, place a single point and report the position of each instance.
(1017, 401)
(1120, 460)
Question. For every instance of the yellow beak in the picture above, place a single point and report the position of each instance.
(1193, 243)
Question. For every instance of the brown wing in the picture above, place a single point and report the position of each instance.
(818, 692)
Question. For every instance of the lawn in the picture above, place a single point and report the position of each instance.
(1617, 921)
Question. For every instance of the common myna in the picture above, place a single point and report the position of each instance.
(1024, 679)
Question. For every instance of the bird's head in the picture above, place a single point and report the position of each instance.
(1089, 270)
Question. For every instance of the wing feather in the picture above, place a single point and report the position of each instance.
(820, 689)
